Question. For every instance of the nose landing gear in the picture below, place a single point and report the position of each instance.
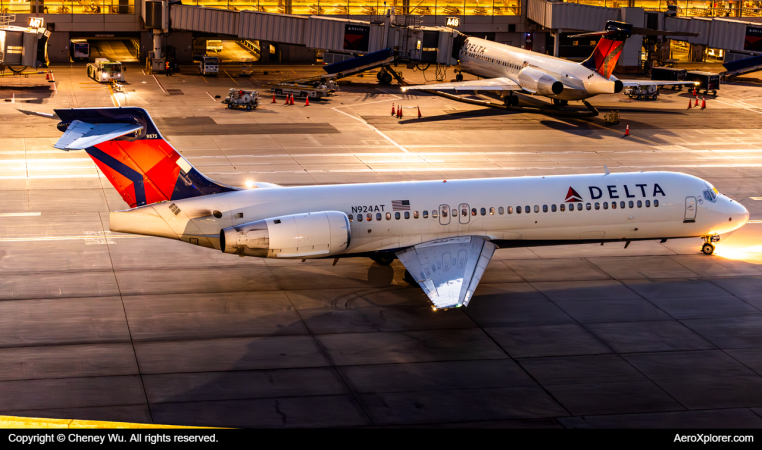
(708, 247)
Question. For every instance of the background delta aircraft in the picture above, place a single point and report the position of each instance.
(443, 232)
(507, 68)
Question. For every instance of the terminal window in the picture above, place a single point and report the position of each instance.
(686, 8)
(68, 7)
(369, 7)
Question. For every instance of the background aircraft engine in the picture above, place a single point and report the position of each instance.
(311, 235)
(538, 81)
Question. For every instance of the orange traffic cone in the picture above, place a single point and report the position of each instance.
(307, 101)
(627, 130)
(703, 103)
(292, 99)
(696, 104)
(419, 112)
(274, 99)
(400, 113)
(394, 112)
(690, 102)
(694, 92)
(47, 75)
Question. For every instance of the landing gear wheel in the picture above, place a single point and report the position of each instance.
(707, 248)
(378, 76)
(409, 278)
(386, 78)
(459, 77)
(383, 259)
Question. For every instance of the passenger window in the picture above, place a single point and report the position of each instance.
(640, 204)
(389, 216)
(621, 205)
(434, 214)
(500, 210)
(563, 207)
(613, 205)
(425, 214)
(473, 211)
(579, 206)
(492, 211)
(444, 213)
(553, 207)
(518, 210)
(455, 213)
(536, 208)
(588, 206)
(510, 210)
(526, 209)
(484, 212)
(648, 203)
(464, 212)
(369, 216)
(544, 208)
(350, 217)
(656, 203)
(359, 217)
(415, 215)
(407, 214)
(632, 205)
(605, 205)
(396, 215)
(378, 216)
(597, 205)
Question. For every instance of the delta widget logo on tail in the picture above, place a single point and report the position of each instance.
(572, 196)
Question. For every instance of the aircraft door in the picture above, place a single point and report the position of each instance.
(463, 215)
(444, 214)
(690, 209)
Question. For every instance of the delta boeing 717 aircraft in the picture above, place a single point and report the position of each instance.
(506, 69)
(444, 232)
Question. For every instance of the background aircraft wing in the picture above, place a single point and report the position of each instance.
(489, 84)
(448, 269)
(636, 83)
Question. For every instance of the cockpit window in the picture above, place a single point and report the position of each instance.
(711, 193)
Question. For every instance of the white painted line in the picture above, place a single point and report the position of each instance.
(157, 82)
(756, 198)
(20, 214)
(67, 238)
(13, 98)
(372, 127)
(754, 221)
(210, 96)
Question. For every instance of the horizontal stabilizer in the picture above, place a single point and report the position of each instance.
(81, 135)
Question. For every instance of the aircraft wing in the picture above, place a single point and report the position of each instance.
(489, 84)
(448, 270)
(636, 83)
(81, 135)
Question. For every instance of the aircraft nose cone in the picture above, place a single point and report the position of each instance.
(738, 214)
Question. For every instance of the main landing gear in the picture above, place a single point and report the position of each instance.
(459, 77)
(708, 247)
(511, 100)
(383, 259)
(559, 103)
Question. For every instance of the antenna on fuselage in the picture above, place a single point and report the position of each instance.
(606, 168)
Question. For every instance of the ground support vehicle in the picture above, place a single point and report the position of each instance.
(706, 81)
(642, 92)
(301, 90)
(105, 71)
(669, 74)
(209, 65)
(611, 117)
(238, 98)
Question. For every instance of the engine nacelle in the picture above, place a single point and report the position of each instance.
(540, 82)
(310, 235)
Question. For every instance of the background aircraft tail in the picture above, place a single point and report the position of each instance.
(126, 145)
(609, 48)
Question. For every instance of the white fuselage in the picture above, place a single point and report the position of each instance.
(489, 59)
(475, 207)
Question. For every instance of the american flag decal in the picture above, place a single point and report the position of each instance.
(400, 205)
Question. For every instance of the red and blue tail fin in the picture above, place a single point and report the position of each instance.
(126, 145)
(609, 47)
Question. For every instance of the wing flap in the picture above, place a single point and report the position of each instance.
(448, 270)
(81, 135)
(491, 84)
